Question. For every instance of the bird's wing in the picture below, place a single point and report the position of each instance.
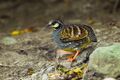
(73, 33)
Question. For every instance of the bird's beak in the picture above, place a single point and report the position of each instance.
(47, 27)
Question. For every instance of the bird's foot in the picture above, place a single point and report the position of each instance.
(70, 59)
(73, 57)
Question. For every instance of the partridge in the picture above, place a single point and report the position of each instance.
(72, 37)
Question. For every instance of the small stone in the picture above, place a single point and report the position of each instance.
(8, 40)
(44, 77)
(97, 30)
(109, 79)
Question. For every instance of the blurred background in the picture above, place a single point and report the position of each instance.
(25, 13)
(27, 49)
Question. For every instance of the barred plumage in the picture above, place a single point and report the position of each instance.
(73, 33)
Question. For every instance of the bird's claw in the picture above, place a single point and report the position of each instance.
(70, 60)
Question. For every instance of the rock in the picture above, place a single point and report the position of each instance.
(104, 62)
(8, 40)
(44, 77)
(109, 79)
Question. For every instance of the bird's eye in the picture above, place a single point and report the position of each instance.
(55, 25)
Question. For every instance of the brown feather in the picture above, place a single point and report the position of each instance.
(73, 33)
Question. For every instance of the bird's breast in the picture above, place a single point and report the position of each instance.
(68, 46)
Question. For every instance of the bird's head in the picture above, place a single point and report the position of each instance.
(55, 24)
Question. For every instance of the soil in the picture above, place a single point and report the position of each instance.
(28, 52)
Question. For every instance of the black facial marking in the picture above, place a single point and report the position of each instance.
(56, 21)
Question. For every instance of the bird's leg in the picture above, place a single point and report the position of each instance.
(74, 57)
(71, 56)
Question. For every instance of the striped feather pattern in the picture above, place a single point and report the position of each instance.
(72, 33)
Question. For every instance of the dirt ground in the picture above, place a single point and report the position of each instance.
(15, 59)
